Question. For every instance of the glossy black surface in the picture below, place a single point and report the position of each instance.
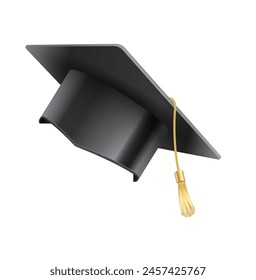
(135, 117)
(100, 119)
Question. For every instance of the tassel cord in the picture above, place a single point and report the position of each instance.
(174, 133)
(186, 206)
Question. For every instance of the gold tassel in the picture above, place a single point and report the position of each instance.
(186, 206)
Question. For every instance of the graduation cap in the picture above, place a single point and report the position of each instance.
(107, 104)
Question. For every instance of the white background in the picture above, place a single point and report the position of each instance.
(62, 206)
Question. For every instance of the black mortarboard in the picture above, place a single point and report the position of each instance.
(108, 105)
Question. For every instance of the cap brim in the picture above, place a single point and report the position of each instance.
(114, 66)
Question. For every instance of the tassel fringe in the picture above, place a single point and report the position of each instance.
(186, 206)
